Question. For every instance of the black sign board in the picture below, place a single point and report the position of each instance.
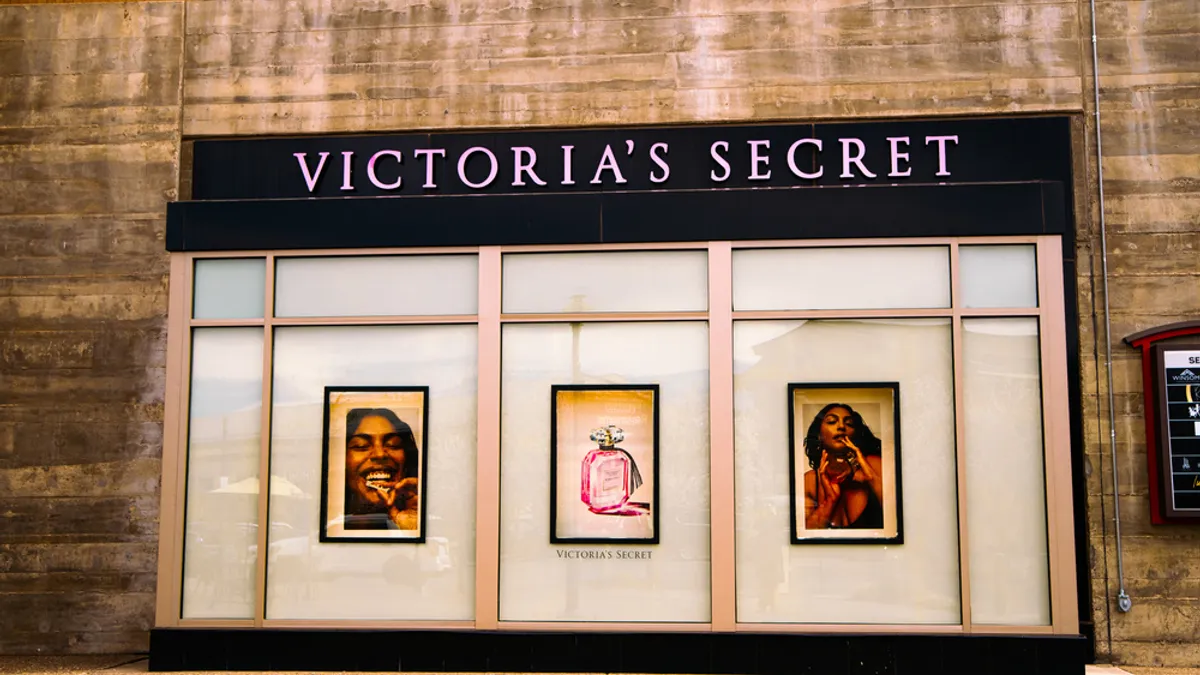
(717, 157)
(1177, 370)
(627, 185)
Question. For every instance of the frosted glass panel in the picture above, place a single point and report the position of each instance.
(1006, 499)
(224, 436)
(377, 285)
(915, 582)
(307, 579)
(540, 581)
(841, 278)
(644, 281)
(998, 276)
(230, 288)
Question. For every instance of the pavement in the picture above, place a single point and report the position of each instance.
(132, 663)
(1140, 670)
(72, 665)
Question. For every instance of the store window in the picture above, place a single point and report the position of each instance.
(575, 553)
(1003, 435)
(779, 435)
(841, 278)
(352, 579)
(615, 575)
(915, 581)
(224, 439)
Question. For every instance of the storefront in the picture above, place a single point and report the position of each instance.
(692, 399)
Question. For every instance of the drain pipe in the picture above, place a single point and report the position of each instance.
(1124, 603)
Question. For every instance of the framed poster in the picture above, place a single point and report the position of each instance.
(604, 464)
(373, 465)
(845, 463)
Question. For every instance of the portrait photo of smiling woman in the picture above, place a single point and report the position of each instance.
(374, 464)
(845, 459)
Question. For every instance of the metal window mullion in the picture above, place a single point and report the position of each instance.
(168, 597)
(1056, 442)
(264, 447)
(487, 454)
(960, 446)
(722, 500)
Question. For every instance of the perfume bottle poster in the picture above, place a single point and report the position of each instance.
(374, 464)
(845, 463)
(604, 464)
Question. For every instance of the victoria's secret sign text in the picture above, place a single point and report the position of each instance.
(618, 160)
(478, 167)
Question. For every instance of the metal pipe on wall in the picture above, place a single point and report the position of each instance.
(1124, 602)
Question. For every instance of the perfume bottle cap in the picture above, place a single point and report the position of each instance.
(608, 436)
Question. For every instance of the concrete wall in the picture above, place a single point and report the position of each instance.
(89, 137)
(1150, 115)
(92, 107)
(354, 65)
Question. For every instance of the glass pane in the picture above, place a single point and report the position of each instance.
(377, 285)
(224, 437)
(1006, 499)
(308, 579)
(643, 281)
(998, 276)
(230, 288)
(916, 582)
(540, 581)
(841, 278)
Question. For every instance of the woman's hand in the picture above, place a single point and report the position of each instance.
(863, 467)
(828, 496)
(865, 472)
(402, 502)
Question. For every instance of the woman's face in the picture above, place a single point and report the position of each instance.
(374, 459)
(836, 425)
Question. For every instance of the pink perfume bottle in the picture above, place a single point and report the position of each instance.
(609, 473)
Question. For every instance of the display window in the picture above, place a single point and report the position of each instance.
(852, 435)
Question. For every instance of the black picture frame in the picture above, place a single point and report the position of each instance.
(884, 395)
(333, 529)
(559, 390)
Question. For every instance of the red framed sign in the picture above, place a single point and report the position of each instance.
(1171, 382)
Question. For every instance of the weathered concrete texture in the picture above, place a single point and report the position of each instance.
(93, 98)
(355, 65)
(89, 138)
(1150, 119)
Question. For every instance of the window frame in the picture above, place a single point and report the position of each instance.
(1050, 315)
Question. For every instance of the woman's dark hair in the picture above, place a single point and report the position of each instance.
(863, 437)
(407, 440)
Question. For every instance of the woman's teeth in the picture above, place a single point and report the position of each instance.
(380, 480)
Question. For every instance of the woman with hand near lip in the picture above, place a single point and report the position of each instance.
(381, 471)
(844, 485)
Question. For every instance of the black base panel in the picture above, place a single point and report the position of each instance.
(994, 209)
(174, 649)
